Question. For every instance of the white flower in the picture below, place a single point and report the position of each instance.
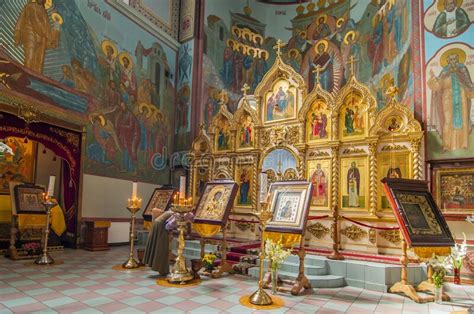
(276, 253)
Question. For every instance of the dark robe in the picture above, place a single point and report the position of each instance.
(157, 245)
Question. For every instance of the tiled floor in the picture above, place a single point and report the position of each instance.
(86, 283)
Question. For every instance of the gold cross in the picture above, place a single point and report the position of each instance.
(317, 70)
(278, 46)
(244, 89)
(352, 62)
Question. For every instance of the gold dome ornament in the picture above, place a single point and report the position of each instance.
(247, 10)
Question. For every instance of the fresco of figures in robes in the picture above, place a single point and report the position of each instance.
(239, 47)
(127, 80)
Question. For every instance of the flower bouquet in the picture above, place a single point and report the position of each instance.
(31, 248)
(208, 262)
(277, 255)
(440, 266)
(458, 253)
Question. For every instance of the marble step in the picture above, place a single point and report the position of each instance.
(317, 281)
(294, 268)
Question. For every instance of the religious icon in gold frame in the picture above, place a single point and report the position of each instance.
(223, 141)
(353, 117)
(391, 165)
(418, 216)
(244, 177)
(454, 190)
(245, 132)
(289, 203)
(216, 202)
(161, 199)
(318, 122)
(280, 102)
(29, 199)
(354, 182)
(319, 174)
(200, 178)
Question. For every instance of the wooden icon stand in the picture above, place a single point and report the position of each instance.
(403, 286)
(297, 286)
(224, 266)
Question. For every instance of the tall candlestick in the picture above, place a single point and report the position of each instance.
(182, 187)
(52, 179)
(134, 189)
(263, 186)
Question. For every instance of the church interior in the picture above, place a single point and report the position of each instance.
(217, 156)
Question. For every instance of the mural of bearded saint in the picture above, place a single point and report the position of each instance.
(453, 92)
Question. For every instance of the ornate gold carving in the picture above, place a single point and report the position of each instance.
(417, 160)
(372, 235)
(392, 236)
(290, 174)
(280, 135)
(202, 143)
(373, 188)
(394, 147)
(28, 113)
(318, 230)
(318, 153)
(354, 232)
(353, 150)
(243, 226)
(335, 178)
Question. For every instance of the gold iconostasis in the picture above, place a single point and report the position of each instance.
(338, 141)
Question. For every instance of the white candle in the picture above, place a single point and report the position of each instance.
(134, 189)
(52, 179)
(182, 187)
(263, 186)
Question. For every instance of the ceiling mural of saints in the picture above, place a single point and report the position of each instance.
(321, 35)
(449, 18)
(80, 62)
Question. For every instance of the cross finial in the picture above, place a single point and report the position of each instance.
(351, 62)
(317, 70)
(244, 89)
(278, 46)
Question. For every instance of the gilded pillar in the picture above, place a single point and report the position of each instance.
(373, 190)
(416, 158)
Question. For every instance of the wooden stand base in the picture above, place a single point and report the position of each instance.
(427, 286)
(295, 287)
(409, 291)
(224, 267)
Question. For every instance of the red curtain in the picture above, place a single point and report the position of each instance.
(65, 144)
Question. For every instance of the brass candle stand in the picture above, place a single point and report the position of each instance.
(45, 258)
(180, 273)
(134, 205)
(260, 297)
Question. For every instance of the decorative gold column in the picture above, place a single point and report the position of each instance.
(416, 158)
(134, 205)
(45, 259)
(373, 190)
(335, 255)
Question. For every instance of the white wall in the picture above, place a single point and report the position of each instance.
(107, 197)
